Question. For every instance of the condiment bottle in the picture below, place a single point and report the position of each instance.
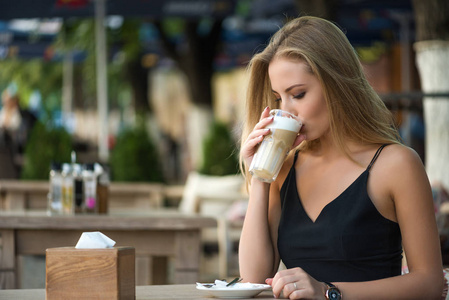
(54, 206)
(102, 188)
(78, 188)
(90, 189)
(67, 189)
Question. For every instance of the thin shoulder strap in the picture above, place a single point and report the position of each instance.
(375, 156)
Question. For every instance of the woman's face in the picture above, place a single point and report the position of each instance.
(299, 92)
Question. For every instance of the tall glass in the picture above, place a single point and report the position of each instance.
(270, 155)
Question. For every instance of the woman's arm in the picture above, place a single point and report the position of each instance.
(258, 256)
(256, 250)
(405, 179)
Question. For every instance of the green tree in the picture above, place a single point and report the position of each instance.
(130, 66)
(220, 153)
(125, 71)
(31, 75)
(46, 144)
(135, 156)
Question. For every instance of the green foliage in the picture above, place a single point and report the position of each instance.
(128, 37)
(79, 35)
(220, 154)
(30, 75)
(174, 27)
(44, 146)
(243, 8)
(135, 157)
(372, 53)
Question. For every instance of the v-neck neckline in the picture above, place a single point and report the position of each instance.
(329, 203)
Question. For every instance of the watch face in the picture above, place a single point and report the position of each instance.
(333, 294)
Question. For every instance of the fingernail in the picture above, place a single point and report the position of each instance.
(267, 130)
(266, 108)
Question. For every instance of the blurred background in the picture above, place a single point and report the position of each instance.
(143, 85)
(154, 90)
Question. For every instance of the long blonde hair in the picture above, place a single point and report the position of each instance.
(355, 110)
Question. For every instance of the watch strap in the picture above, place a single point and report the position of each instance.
(332, 292)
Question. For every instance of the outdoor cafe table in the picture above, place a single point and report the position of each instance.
(153, 234)
(149, 292)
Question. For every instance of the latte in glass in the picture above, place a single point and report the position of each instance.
(273, 149)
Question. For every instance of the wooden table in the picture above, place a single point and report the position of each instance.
(154, 235)
(20, 195)
(154, 292)
(23, 194)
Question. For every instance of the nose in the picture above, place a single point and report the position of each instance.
(287, 106)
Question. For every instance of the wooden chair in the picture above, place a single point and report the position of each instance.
(215, 196)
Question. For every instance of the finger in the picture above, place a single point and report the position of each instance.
(301, 294)
(283, 285)
(282, 278)
(250, 147)
(252, 142)
(265, 112)
(264, 118)
(269, 281)
(258, 132)
(263, 122)
(289, 289)
(277, 284)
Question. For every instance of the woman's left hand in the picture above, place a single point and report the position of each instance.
(296, 284)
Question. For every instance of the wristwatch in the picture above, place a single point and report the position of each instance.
(332, 292)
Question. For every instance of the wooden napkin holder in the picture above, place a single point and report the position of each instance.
(90, 273)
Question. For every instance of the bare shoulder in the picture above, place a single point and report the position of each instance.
(400, 170)
(398, 158)
(398, 179)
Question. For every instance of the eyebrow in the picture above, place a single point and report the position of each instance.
(290, 87)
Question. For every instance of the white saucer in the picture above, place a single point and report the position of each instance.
(237, 291)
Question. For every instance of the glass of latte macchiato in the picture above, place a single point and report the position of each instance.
(270, 155)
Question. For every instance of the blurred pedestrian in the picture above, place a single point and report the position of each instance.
(15, 127)
(10, 117)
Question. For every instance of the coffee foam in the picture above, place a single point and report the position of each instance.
(285, 124)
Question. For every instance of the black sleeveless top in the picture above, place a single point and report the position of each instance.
(349, 241)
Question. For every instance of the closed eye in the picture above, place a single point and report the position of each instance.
(300, 95)
(276, 96)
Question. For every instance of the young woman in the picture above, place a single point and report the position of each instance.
(350, 197)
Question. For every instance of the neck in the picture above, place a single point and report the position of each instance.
(327, 148)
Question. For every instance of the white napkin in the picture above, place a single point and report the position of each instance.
(92, 240)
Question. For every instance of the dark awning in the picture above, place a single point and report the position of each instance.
(24, 9)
